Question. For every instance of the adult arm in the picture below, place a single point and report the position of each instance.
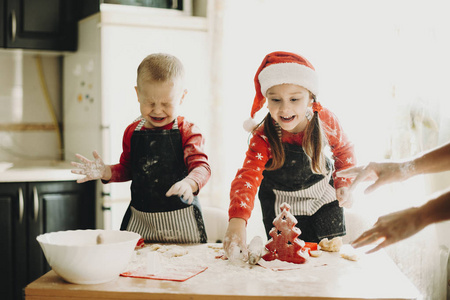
(400, 225)
(433, 161)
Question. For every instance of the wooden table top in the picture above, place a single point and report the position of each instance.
(330, 276)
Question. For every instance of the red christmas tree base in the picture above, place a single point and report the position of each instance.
(285, 244)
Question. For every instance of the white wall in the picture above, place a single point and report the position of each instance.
(384, 70)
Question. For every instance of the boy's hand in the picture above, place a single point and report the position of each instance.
(185, 189)
(92, 169)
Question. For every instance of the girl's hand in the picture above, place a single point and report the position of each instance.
(185, 189)
(235, 244)
(93, 170)
(345, 197)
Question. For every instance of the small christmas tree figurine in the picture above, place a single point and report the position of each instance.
(285, 244)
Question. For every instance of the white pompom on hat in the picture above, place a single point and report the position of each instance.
(281, 68)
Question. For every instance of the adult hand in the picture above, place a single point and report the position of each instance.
(345, 197)
(381, 173)
(92, 170)
(185, 189)
(235, 244)
(391, 228)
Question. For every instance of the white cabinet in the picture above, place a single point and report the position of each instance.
(99, 79)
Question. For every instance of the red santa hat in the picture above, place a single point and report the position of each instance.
(281, 68)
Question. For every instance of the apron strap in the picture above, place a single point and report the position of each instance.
(140, 125)
(142, 122)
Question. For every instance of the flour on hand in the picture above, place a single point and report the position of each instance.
(91, 169)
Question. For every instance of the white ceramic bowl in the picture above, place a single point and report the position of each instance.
(75, 255)
(5, 166)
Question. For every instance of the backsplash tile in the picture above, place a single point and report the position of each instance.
(22, 102)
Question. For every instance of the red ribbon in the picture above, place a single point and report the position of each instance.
(317, 107)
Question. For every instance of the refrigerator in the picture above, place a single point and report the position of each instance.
(99, 99)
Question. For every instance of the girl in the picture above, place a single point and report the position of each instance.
(286, 157)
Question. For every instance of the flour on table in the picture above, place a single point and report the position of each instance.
(169, 250)
(215, 246)
(157, 259)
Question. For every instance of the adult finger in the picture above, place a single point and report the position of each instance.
(350, 172)
(362, 176)
(378, 183)
(385, 243)
(367, 241)
(373, 187)
(364, 236)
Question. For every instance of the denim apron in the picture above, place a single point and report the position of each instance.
(157, 162)
(311, 196)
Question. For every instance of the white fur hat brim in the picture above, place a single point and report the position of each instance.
(288, 73)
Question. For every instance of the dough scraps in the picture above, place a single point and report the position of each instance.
(169, 250)
(333, 245)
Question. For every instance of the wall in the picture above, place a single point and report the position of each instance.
(383, 70)
(25, 118)
(27, 131)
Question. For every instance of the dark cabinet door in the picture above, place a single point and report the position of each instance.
(56, 206)
(2, 23)
(28, 210)
(13, 235)
(40, 24)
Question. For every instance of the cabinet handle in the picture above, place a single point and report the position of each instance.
(36, 203)
(20, 205)
(13, 26)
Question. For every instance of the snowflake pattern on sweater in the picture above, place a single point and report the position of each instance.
(248, 178)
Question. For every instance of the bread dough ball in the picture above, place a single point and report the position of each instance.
(333, 245)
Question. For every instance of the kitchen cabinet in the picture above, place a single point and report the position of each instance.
(30, 209)
(39, 24)
(2, 23)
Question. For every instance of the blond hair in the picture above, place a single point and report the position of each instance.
(160, 67)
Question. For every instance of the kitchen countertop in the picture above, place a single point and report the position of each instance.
(42, 170)
(329, 276)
